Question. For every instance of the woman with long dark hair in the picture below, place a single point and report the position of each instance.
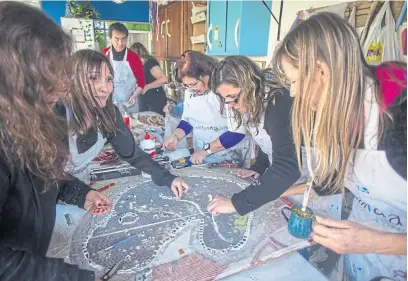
(93, 121)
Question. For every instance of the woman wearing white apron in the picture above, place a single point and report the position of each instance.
(360, 124)
(212, 141)
(93, 120)
(127, 65)
(79, 161)
(262, 106)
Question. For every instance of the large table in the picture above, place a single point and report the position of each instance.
(166, 239)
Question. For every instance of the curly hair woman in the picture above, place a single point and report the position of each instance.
(257, 103)
(33, 150)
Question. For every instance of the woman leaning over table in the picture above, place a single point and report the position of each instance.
(359, 131)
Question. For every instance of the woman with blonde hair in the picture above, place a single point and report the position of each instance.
(153, 97)
(354, 115)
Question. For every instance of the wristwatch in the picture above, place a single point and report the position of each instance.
(207, 148)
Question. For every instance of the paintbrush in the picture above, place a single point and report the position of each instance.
(118, 243)
(106, 187)
(306, 195)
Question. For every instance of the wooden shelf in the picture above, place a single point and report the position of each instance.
(178, 14)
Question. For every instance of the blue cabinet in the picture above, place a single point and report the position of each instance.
(238, 28)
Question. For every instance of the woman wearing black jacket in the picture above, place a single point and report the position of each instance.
(93, 121)
(33, 54)
(262, 107)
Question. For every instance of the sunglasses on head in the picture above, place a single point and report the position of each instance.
(234, 101)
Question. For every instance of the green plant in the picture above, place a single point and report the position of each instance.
(82, 9)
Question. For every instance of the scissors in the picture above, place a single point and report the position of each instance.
(112, 271)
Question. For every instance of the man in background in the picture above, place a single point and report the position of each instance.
(129, 79)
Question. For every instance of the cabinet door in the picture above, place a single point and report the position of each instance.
(175, 29)
(254, 28)
(234, 11)
(159, 36)
(216, 31)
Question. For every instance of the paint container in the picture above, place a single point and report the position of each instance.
(181, 163)
(299, 222)
(148, 145)
(126, 119)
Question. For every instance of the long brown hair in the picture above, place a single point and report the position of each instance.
(335, 129)
(33, 54)
(82, 100)
(257, 87)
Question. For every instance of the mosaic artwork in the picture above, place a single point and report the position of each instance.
(161, 238)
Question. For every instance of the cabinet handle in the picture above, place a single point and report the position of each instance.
(236, 33)
(208, 37)
(167, 28)
(161, 28)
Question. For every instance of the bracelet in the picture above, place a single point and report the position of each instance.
(177, 138)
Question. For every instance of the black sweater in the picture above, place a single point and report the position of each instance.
(125, 146)
(27, 212)
(27, 217)
(284, 171)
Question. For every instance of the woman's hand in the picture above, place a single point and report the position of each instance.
(170, 143)
(198, 157)
(242, 173)
(345, 237)
(168, 108)
(97, 203)
(221, 205)
(179, 186)
(132, 99)
(145, 89)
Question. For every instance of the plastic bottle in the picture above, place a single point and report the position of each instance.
(148, 145)
(126, 119)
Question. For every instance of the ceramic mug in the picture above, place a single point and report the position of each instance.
(299, 222)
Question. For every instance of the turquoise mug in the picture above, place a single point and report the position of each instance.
(299, 222)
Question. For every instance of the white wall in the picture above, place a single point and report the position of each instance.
(290, 8)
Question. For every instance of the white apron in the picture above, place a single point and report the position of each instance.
(78, 162)
(262, 138)
(124, 81)
(380, 202)
(203, 114)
